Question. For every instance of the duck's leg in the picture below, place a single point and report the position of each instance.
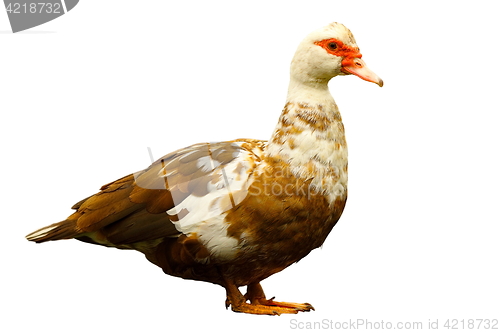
(255, 294)
(258, 302)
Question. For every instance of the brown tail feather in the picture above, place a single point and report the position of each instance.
(62, 230)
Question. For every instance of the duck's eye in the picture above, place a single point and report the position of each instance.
(332, 46)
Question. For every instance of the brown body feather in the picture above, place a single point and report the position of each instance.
(128, 216)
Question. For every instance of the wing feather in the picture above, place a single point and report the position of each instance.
(172, 196)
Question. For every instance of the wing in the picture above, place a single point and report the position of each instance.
(171, 197)
(202, 181)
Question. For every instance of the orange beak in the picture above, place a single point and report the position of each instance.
(358, 67)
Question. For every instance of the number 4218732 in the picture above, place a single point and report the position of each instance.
(34, 8)
(455, 324)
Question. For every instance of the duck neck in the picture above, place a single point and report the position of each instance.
(309, 137)
(309, 91)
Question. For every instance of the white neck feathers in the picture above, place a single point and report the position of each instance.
(309, 137)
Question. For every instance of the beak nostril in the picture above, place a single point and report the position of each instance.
(358, 64)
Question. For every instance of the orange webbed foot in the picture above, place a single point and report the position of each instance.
(259, 304)
(302, 307)
(262, 309)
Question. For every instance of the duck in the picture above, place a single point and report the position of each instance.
(234, 213)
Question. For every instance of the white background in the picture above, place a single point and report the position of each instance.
(83, 96)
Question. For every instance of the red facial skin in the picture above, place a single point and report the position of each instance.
(347, 52)
(351, 62)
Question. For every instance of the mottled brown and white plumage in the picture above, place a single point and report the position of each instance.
(233, 213)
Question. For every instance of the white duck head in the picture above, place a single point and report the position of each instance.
(328, 52)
